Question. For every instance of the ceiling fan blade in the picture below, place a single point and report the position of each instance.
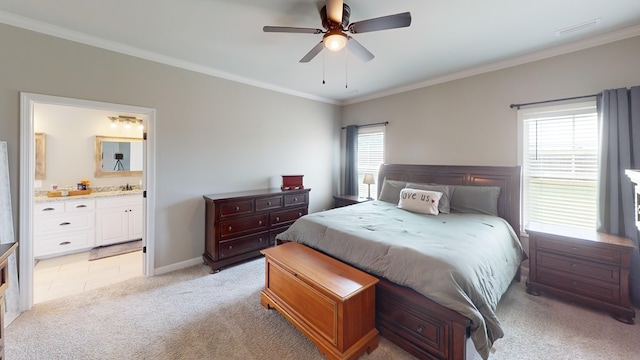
(311, 54)
(286, 29)
(358, 50)
(381, 23)
(334, 11)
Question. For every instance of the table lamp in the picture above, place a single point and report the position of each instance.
(368, 179)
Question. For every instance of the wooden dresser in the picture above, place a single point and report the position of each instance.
(238, 225)
(581, 265)
(330, 302)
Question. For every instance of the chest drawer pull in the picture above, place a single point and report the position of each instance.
(81, 206)
(268, 203)
(573, 248)
(299, 214)
(295, 199)
(277, 218)
(48, 209)
(65, 223)
(65, 243)
(237, 208)
(259, 222)
(573, 266)
(420, 329)
(574, 283)
(229, 228)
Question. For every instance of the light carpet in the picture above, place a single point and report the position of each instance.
(191, 314)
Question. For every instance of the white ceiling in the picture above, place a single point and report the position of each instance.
(447, 38)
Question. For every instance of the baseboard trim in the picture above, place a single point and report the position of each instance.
(178, 266)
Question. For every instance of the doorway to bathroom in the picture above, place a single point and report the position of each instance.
(44, 264)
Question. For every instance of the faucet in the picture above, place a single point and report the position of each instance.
(126, 187)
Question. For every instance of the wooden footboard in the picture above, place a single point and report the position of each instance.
(420, 326)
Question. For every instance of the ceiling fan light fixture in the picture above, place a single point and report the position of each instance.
(335, 41)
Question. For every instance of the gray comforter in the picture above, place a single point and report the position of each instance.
(462, 261)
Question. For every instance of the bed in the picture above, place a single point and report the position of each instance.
(429, 317)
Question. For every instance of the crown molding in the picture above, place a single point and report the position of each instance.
(64, 33)
(524, 59)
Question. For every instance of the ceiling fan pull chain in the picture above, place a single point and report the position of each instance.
(323, 68)
(346, 69)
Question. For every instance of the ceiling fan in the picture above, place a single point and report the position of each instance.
(335, 21)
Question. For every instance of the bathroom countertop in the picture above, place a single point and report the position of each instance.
(93, 195)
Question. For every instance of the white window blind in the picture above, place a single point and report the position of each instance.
(560, 164)
(370, 156)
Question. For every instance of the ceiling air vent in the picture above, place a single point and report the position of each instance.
(578, 27)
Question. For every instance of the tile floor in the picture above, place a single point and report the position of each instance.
(72, 274)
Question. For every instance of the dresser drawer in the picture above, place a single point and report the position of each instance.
(284, 217)
(295, 199)
(55, 245)
(237, 227)
(79, 205)
(243, 244)
(40, 209)
(609, 255)
(575, 266)
(580, 285)
(268, 203)
(236, 208)
(65, 222)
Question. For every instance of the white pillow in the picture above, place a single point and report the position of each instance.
(420, 201)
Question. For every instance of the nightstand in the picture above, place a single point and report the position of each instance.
(581, 265)
(345, 200)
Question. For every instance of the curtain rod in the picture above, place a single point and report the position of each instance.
(359, 126)
(554, 100)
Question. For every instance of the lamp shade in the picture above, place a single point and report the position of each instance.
(335, 41)
(369, 179)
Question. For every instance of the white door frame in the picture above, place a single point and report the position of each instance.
(27, 178)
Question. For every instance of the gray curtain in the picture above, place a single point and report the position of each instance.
(351, 161)
(619, 112)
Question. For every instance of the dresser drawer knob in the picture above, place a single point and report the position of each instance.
(573, 248)
(277, 218)
(260, 222)
(268, 203)
(574, 283)
(299, 214)
(230, 247)
(229, 228)
(260, 240)
(65, 243)
(81, 206)
(573, 266)
(237, 208)
(48, 209)
(65, 223)
(420, 329)
(295, 199)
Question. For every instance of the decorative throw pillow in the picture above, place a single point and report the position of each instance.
(445, 201)
(420, 201)
(475, 199)
(390, 191)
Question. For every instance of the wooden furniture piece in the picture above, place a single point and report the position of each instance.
(5, 251)
(581, 265)
(634, 175)
(238, 225)
(346, 200)
(330, 302)
(415, 323)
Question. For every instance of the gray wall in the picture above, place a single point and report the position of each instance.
(212, 135)
(469, 122)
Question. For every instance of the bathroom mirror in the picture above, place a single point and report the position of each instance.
(40, 156)
(117, 156)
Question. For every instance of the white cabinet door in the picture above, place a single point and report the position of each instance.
(119, 219)
(136, 222)
(112, 225)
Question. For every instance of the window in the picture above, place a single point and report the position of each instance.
(370, 157)
(559, 164)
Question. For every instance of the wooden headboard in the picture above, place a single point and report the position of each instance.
(507, 178)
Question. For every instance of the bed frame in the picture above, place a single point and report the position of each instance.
(415, 323)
